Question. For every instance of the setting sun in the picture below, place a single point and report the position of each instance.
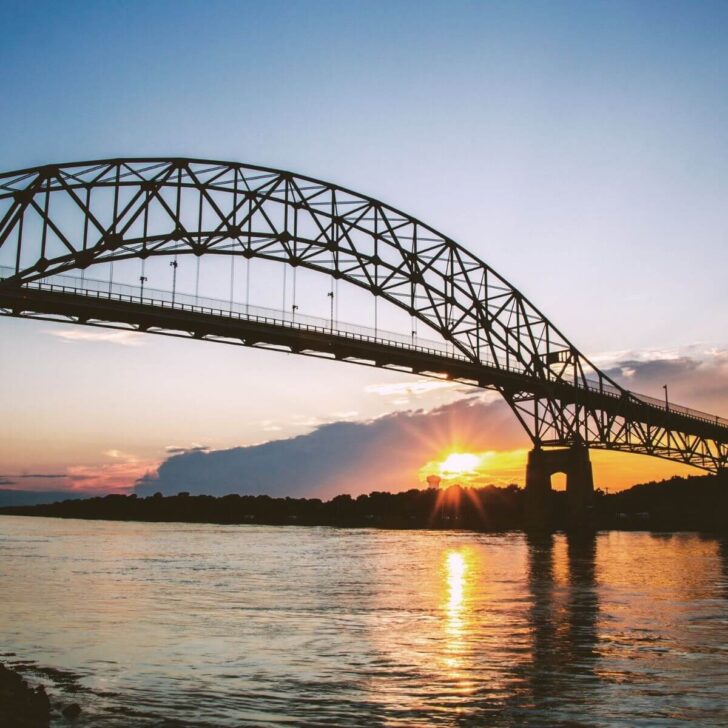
(459, 464)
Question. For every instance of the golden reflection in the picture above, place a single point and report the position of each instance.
(458, 565)
(456, 568)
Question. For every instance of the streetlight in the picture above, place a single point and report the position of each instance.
(142, 281)
(173, 265)
(294, 309)
(330, 294)
(667, 403)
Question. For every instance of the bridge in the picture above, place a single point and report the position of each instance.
(79, 242)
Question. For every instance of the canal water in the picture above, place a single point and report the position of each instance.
(150, 624)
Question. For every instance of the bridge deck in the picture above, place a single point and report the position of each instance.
(157, 313)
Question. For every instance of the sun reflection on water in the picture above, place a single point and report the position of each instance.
(457, 568)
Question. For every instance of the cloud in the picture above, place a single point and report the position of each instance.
(115, 476)
(124, 338)
(411, 389)
(33, 481)
(698, 380)
(176, 450)
(386, 453)
(36, 475)
(394, 452)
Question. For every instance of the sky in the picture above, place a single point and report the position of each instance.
(578, 148)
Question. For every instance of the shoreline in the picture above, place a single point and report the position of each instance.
(697, 504)
(627, 527)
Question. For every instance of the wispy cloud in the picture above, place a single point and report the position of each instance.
(350, 414)
(411, 389)
(36, 475)
(120, 474)
(108, 336)
(178, 450)
(34, 481)
(305, 421)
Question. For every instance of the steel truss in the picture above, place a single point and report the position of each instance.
(60, 218)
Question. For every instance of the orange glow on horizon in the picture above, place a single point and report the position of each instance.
(613, 471)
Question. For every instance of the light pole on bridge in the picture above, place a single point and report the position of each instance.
(330, 294)
(667, 403)
(142, 281)
(173, 265)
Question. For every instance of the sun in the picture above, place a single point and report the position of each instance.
(459, 463)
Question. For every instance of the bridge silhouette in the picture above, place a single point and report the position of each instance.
(59, 221)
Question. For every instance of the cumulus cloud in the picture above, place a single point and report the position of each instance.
(696, 379)
(386, 453)
(393, 452)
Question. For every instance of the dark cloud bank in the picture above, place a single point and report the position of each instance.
(386, 453)
(354, 457)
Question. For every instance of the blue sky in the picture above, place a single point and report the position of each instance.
(579, 148)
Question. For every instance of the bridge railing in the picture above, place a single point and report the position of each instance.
(687, 411)
(94, 288)
(110, 290)
(611, 391)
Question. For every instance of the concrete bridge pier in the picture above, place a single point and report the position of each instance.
(575, 464)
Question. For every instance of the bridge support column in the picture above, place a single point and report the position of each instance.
(542, 464)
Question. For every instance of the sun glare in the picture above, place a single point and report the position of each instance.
(459, 463)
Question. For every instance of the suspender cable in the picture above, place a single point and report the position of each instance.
(283, 309)
(330, 294)
(232, 280)
(247, 285)
(294, 307)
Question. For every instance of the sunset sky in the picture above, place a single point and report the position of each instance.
(580, 149)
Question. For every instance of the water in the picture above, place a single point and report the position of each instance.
(243, 625)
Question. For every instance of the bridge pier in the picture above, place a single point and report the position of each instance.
(542, 464)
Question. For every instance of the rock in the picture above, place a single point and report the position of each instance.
(71, 711)
(20, 705)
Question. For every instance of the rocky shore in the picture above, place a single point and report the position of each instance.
(20, 705)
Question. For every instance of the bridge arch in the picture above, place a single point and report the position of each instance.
(59, 218)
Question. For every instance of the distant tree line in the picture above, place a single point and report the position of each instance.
(694, 503)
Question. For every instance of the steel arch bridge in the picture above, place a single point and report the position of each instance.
(56, 221)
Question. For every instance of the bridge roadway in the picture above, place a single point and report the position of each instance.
(155, 313)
